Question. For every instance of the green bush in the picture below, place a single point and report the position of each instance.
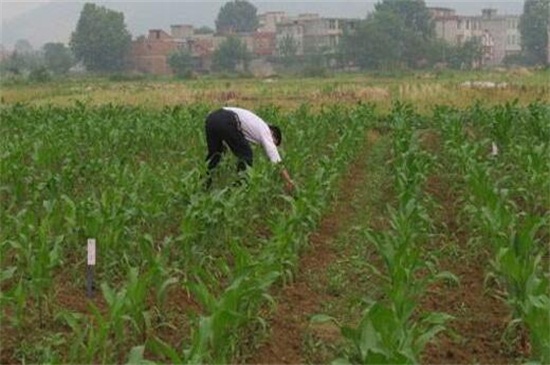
(40, 75)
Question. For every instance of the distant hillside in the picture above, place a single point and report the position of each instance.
(56, 20)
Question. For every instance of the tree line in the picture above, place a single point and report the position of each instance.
(396, 35)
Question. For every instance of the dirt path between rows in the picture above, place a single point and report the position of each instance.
(300, 300)
(480, 317)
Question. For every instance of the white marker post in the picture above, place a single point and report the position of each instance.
(90, 268)
(494, 150)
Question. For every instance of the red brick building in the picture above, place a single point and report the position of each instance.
(265, 43)
(150, 54)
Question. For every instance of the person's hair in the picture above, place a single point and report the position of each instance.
(276, 134)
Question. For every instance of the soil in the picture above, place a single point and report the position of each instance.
(300, 300)
(475, 336)
(481, 318)
(68, 296)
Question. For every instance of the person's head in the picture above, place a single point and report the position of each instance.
(276, 133)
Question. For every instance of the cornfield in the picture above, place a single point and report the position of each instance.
(185, 275)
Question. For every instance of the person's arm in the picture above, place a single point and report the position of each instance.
(289, 184)
(273, 155)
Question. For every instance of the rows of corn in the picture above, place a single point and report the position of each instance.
(183, 275)
(497, 160)
(500, 159)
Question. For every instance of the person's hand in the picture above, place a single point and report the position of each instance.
(290, 188)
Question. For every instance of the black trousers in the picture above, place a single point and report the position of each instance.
(223, 127)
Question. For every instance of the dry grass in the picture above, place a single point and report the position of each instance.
(424, 91)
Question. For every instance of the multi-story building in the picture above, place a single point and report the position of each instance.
(505, 33)
(182, 30)
(268, 21)
(312, 33)
(498, 34)
(292, 30)
(446, 24)
(324, 34)
(150, 54)
(264, 44)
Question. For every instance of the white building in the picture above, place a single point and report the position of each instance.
(268, 21)
(499, 34)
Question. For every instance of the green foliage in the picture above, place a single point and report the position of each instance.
(506, 212)
(181, 63)
(23, 46)
(231, 54)
(287, 48)
(101, 41)
(58, 58)
(375, 43)
(237, 17)
(39, 75)
(204, 30)
(533, 27)
(397, 34)
(129, 177)
(463, 56)
(414, 14)
(21, 63)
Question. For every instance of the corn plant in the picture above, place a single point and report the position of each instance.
(515, 235)
(389, 332)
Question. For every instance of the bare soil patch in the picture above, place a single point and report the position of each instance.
(300, 300)
(476, 333)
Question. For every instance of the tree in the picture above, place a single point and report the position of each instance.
(181, 63)
(397, 33)
(376, 43)
(236, 17)
(414, 13)
(533, 27)
(101, 40)
(204, 30)
(418, 29)
(467, 55)
(288, 48)
(470, 53)
(58, 58)
(231, 53)
(22, 46)
(23, 60)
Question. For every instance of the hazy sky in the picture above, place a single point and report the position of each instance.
(13, 8)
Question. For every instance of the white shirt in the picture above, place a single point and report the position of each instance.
(256, 130)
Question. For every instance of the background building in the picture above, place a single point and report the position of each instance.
(150, 54)
(499, 34)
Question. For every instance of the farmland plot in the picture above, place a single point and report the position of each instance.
(466, 258)
(186, 276)
(181, 273)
